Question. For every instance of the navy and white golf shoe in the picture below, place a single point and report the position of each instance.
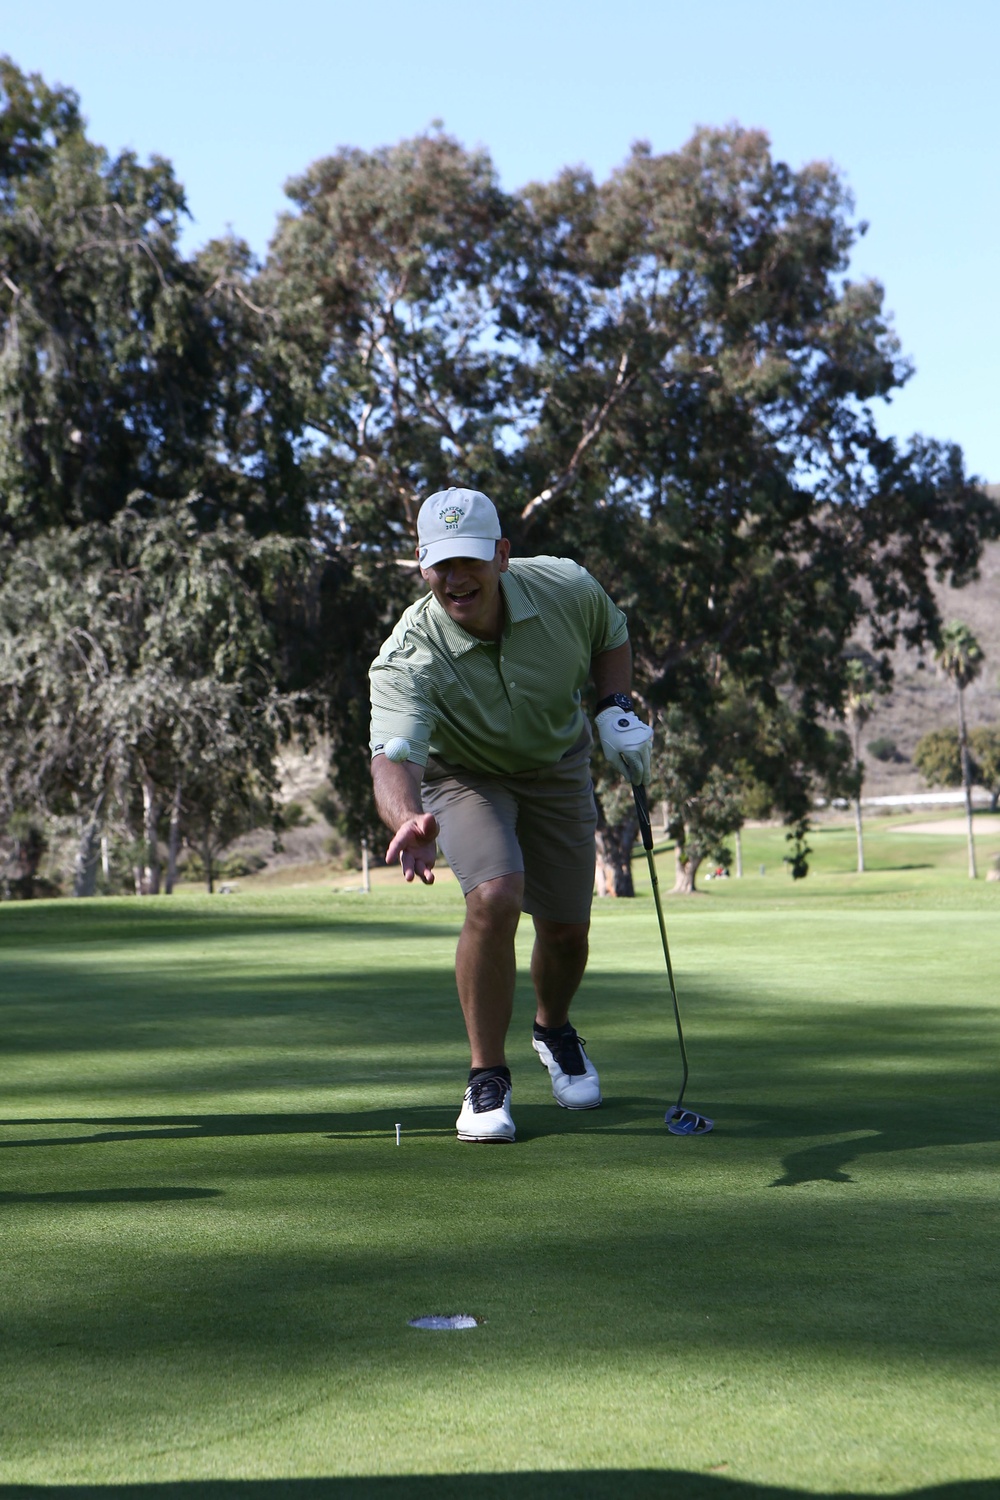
(485, 1112)
(575, 1083)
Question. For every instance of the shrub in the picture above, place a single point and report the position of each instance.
(882, 748)
(294, 815)
(241, 864)
(937, 758)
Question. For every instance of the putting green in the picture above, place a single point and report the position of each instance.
(213, 1244)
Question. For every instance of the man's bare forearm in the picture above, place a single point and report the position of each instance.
(397, 790)
(397, 797)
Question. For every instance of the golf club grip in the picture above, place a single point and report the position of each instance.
(642, 812)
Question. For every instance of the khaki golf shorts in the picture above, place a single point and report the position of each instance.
(539, 823)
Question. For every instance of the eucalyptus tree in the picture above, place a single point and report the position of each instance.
(385, 344)
(706, 440)
(124, 364)
(137, 677)
(960, 657)
(668, 375)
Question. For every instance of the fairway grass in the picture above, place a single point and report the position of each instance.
(213, 1245)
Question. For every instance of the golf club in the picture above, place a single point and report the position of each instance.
(679, 1121)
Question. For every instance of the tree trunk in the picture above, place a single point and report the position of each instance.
(963, 746)
(859, 778)
(739, 856)
(133, 855)
(614, 856)
(88, 855)
(150, 818)
(686, 872)
(174, 841)
(29, 850)
(208, 860)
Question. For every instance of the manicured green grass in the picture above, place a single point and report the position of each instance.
(908, 865)
(212, 1244)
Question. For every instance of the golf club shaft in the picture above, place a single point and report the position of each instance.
(642, 812)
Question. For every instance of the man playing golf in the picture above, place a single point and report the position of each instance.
(479, 740)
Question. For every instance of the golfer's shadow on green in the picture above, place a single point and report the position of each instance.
(87, 1196)
(567, 1484)
(180, 1127)
(418, 1121)
(867, 1133)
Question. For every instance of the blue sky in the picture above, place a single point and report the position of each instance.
(901, 96)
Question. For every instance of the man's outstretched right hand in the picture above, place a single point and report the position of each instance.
(414, 844)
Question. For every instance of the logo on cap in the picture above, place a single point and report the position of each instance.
(452, 516)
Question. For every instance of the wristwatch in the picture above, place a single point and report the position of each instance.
(615, 700)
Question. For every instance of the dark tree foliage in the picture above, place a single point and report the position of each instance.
(123, 365)
(668, 376)
(34, 121)
(938, 758)
(737, 492)
(381, 287)
(137, 680)
(984, 743)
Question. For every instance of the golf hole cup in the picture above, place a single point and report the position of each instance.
(397, 750)
(444, 1324)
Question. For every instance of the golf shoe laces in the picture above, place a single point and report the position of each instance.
(487, 1093)
(567, 1049)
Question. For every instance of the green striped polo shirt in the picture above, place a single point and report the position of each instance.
(506, 707)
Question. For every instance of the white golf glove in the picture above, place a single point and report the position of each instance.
(626, 741)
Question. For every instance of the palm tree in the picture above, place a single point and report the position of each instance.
(960, 657)
(859, 705)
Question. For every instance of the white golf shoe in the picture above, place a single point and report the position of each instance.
(575, 1083)
(485, 1112)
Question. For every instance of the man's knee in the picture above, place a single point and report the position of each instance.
(563, 937)
(496, 904)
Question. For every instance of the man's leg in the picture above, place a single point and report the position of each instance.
(557, 964)
(485, 971)
(556, 821)
(558, 960)
(485, 966)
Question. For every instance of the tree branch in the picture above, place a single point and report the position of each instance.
(591, 431)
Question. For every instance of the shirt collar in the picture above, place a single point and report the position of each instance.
(516, 602)
(454, 638)
(517, 607)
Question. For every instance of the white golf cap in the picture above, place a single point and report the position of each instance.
(457, 523)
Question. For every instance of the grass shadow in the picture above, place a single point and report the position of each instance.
(897, 1128)
(534, 1121)
(580, 1484)
(115, 1195)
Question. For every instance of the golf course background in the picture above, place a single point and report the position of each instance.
(212, 1244)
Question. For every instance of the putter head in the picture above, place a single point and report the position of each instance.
(681, 1121)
